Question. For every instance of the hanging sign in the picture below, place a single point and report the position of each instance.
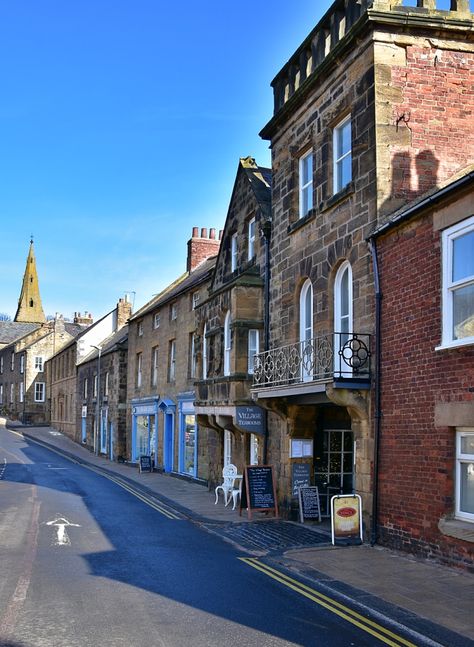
(258, 490)
(250, 419)
(346, 519)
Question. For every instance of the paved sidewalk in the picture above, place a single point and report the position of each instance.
(372, 576)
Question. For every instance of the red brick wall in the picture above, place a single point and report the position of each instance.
(437, 106)
(417, 458)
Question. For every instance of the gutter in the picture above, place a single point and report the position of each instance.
(377, 386)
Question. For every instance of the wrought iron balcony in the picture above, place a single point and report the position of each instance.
(337, 357)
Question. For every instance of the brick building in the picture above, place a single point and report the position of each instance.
(230, 327)
(162, 364)
(101, 409)
(426, 427)
(369, 114)
(62, 368)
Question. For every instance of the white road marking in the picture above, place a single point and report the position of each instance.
(62, 538)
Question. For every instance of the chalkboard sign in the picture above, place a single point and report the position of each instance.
(309, 503)
(145, 464)
(300, 477)
(258, 490)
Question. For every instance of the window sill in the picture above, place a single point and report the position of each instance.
(457, 528)
(337, 197)
(301, 222)
(469, 341)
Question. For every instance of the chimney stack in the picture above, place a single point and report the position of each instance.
(124, 310)
(200, 248)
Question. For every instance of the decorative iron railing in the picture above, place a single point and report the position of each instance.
(334, 356)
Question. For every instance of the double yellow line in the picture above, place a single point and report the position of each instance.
(149, 501)
(369, 626)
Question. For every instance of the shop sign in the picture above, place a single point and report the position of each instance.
(250, 419)
(300, 477)
(301, 448)
(346, 519)
(144, 410)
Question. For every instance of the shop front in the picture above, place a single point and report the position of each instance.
(145, 429)
(188, 438)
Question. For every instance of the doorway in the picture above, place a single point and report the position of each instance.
(333, 465)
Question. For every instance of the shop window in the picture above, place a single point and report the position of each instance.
(342, 151)
(253, 449)
(458, 284)
(465, 474)
(305, 183)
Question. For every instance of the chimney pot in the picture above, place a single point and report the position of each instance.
(221, 231)
(204, 232)
(195, 232)
(212, 233)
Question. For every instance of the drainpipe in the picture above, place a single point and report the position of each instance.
(266, 230)
(378, 412)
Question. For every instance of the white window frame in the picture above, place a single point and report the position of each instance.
(234, 251)
(86, 388)
(139, 369)
(154, 366)
(254, 442)
(340, 155)
(227, 343)
(106, 384)
(172, 366)
(39, 363)
(449, 287)
(12, 361)
(140, 328)
(305, 194)
(306, 331)
(95, 384)
(40, 391)
(195, 300)
(1, 393)
(22, 363)
(12, 393)
(253, 348)
(227, 447)
(193, 367)
(1, 364)
(156, 320)
(204, 352)
(174, 311)
(342, 320)
(462, 458)
(22, 391)
(251, 238)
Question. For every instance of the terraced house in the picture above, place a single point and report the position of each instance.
(372, 111)
(162, 365)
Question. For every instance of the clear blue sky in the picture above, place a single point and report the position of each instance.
(121, 126)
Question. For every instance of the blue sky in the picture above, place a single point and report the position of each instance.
(121, 126)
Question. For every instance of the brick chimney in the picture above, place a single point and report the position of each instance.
(201, 247)
(83, 320)
(124, 310)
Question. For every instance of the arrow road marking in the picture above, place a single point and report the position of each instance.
(62, 536)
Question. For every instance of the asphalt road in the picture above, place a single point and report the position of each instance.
(84, 562)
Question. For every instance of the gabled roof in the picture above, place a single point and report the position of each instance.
(113, 342)
(260, 180)
(183, 284)
(10, 331)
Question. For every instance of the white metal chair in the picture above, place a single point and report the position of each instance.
(228, 475)
(236, 493)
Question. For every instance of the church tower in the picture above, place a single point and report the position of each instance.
(30, 309)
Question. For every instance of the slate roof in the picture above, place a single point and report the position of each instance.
(109, 344)
(185, 283)
(10, 331)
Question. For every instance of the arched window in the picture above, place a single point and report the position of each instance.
(227, 343)
(306, 331)
(204, 353)
(342, 314)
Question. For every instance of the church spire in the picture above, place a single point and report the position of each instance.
(30, 309)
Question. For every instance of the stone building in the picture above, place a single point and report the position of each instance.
(62, 368)
(230, 325)
(102, 395)
(369, 113)
(162, 364)
(425, 484)
(25, 345)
